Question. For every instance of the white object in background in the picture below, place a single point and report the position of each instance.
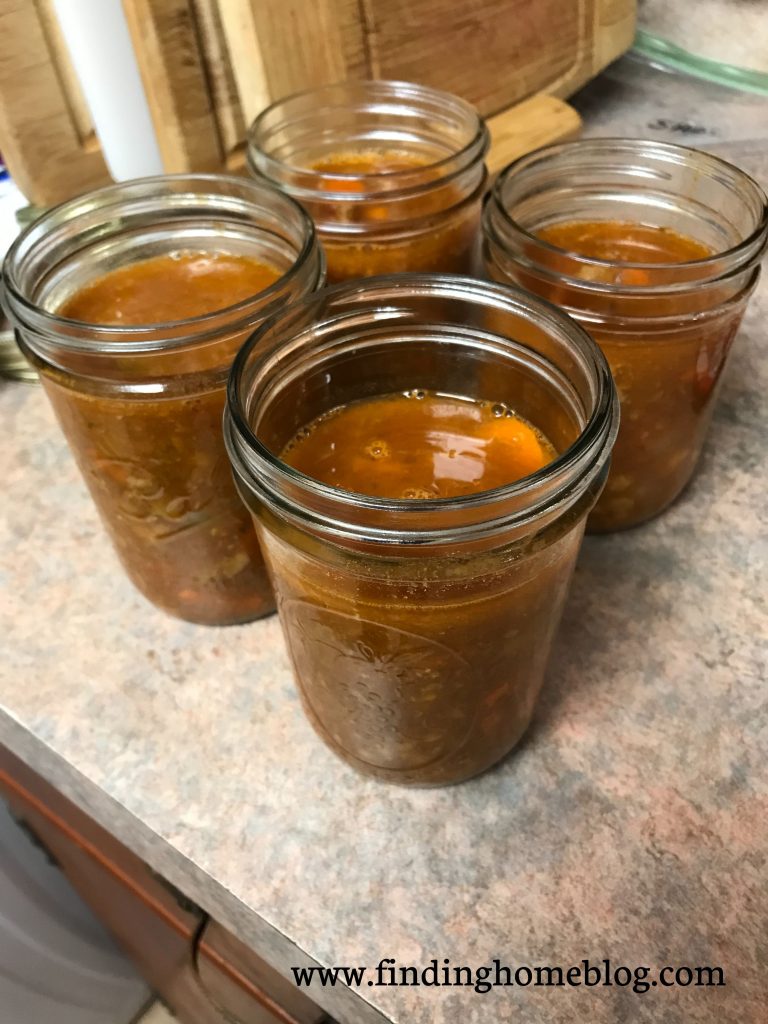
(157, 1014)
(11, 200)
(99, 43)
(57, 964)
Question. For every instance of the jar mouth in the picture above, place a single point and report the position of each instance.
(159, 201)
(373, 312)
(377, 103)
(613, 155)
(727, 290)
(400, 229)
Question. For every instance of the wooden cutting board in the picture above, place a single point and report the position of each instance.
(209, 66)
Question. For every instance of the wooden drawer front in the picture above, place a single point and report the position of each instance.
(19, 783)
(154, 930)
(247, 989)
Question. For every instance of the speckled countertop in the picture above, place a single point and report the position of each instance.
(631, 824)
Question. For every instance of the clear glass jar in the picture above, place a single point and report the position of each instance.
(419, 630)
(420, 213)
(666, 328)
(141, 407)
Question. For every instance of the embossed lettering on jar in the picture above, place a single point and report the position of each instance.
(655, 249)
(392, 174)
(419, 610)
(131, 302)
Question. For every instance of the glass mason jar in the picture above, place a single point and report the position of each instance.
(391, 173)
(666, 328)
(419, 630)
(141, 407)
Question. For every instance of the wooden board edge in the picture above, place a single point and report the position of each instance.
(536, 121)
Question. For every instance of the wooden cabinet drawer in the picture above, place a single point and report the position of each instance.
(199, 969)
(245, 987)
(155, 928)
(21, 786)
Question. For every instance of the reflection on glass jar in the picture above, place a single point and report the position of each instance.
(419, 629)
(391, 173)
(655, 249)
(132, 302)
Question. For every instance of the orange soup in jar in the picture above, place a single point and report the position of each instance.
(655, 249)
(420, 455)
(132, 302)
(391, 173)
